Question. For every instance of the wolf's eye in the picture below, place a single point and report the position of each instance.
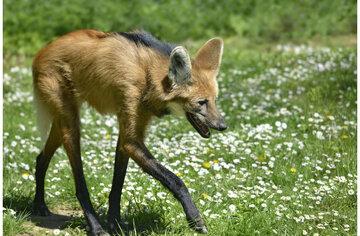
(203, 102)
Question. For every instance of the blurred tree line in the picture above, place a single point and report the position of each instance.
(28, 24)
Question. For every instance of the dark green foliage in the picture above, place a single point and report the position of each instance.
(28, 24)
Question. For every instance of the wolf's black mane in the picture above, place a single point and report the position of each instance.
(146, 39)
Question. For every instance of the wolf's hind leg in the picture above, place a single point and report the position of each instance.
(70, 131)
(42, 163)
(120, 166)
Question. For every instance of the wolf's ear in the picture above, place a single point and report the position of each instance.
(208, 57)
(180, 66)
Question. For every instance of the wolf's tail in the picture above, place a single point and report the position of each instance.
(43, 117)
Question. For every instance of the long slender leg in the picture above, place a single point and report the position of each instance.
(120, 166)
(147, 162)
(42, 163)
(132, 131)
(71, 140)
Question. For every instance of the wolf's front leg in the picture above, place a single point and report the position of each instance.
(148, 163)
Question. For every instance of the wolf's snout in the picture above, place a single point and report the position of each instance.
(222, 126)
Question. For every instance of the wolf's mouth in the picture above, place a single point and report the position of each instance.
(200, 126)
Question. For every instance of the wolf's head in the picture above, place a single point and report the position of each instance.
(195, 86)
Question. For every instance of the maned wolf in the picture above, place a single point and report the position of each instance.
(136, 77)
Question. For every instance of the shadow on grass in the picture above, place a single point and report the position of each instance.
(145, 222)
(18, 203)
(139, 222)
(23, 205)
(54, 221)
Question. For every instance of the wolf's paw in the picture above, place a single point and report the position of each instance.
(100, 232)
(41, 210)
(116, 226)
(201, 229)
(198, 225)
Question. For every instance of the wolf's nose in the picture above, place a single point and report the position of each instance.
(222, 126)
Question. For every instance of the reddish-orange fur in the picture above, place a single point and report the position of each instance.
(112, 74)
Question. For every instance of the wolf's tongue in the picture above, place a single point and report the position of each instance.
(200, 127)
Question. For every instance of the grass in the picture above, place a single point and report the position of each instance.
(286, 165)
(31, 24)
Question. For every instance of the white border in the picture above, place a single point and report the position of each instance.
(1, 118)
(357, 115)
